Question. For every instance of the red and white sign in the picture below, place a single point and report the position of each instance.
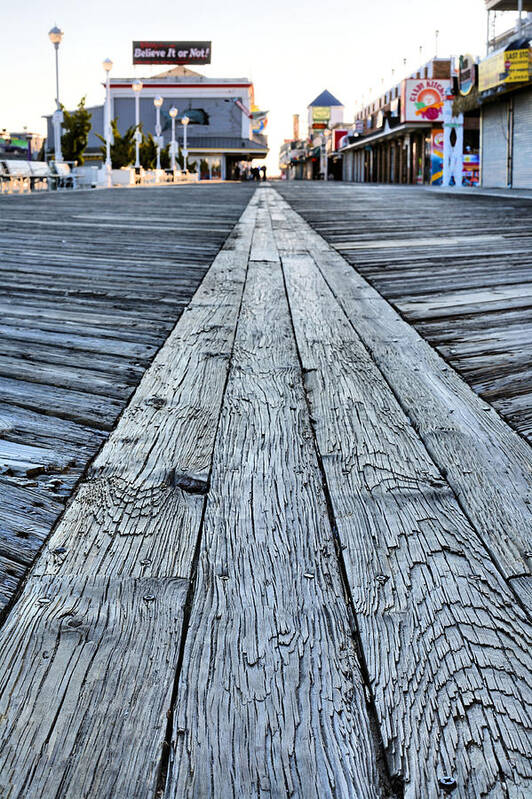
(422, 100)
(338, 136)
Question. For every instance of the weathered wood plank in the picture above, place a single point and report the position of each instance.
(28, 427)
(28, 460)
(77, 406)
(75, 377)
(11, 573)
(447, 650)
(74, 315)
(123, 369)
(467, 440)
(90, 649)
(84, 700)
(168, 432)
(88, 339)
(270, 698)
(382, 232)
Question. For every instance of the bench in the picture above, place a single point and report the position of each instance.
(65, 177)
(18, 175)
(30, 175)
(4, 178)
(41, 175)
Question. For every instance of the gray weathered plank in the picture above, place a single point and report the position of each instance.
(447, 649)
(270, 699)
(84, 309)
(84, 686)
(486, 464)
(90, 648)
(435, 256)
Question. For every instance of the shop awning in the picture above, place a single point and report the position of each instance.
(390, 133)
(224, 144)
(507, 5)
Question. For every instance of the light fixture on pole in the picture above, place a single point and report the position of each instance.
(173, 144)
(55, 35)
(158, 101)
(108, 65)
(137, 88)
(324, 153)
(184, 122)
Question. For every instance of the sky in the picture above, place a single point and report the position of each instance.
(291, 52)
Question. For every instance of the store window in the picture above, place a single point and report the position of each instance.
(210, 167)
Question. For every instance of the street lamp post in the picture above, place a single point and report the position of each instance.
(173, 144)
(137, 88)
(158, 101)
(108, 65)
(55, 35)
(323, 153)
(184, 122)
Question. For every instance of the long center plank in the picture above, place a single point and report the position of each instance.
(446, 645)
(270, 699)
(89, 651)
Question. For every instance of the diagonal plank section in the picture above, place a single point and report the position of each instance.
(270, 700)
(447, 648)
(89, 650)
(486, 463)
(150, 478)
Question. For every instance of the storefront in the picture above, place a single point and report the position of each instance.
(395, 155)
(399, 138)
(505, 95)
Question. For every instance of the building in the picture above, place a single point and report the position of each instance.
(505, 100)
(220, 134)
(292, 159)
(20, 145)
(398, 137)
(414, 134)
(317, 157)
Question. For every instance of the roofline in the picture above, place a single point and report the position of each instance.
(404, 127)
(258, 151)
(145, 83)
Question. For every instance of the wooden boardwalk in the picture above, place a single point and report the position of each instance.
(458, 268)
(298, 567)
(89, 290)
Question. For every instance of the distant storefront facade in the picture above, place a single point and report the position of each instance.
(20, 145)
(221, 132)
(399, 137)
(505, 96)
(316, 157)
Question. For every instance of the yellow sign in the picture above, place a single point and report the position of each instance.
(321, 114)
(512, 66)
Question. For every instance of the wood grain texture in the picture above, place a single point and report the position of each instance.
(439, 257)
(270, 699)
(90, 649)
(90, 287)
(84, 686)
(146, 484)
(486, 464)
(447, 651)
